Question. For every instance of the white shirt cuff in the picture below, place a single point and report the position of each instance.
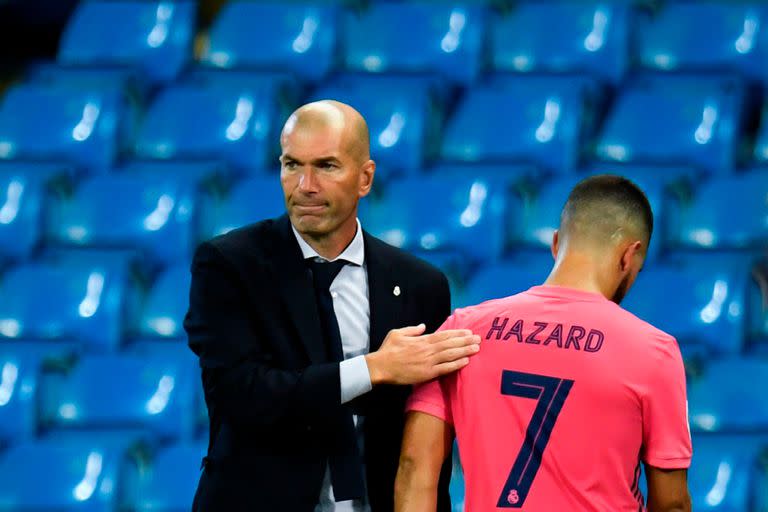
(355, 378)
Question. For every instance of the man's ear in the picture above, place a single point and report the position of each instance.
(366, 177)
(555, 247)
(630, 252)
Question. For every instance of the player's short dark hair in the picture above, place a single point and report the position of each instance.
(599, 206)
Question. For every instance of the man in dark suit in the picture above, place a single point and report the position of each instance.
(295, 322)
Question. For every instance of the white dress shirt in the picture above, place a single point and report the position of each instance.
(349, 291)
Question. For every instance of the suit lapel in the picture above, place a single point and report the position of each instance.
(385, 305)
(296, 290)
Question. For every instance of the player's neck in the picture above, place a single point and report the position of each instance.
(579, 271)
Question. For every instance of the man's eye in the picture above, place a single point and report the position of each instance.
(290, 165)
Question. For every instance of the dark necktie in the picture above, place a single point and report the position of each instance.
(346, 464)
(323, 274)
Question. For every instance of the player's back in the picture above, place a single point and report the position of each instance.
(554, 411)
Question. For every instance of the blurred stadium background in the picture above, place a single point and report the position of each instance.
(131, 130)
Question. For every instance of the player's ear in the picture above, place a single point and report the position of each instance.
(631, 252)
(555, 244)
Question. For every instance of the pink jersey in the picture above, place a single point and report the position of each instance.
(567, 395)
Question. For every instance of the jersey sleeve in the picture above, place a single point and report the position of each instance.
(432, 397)
(666, 432)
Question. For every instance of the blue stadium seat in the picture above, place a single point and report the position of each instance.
(19, 374)
(723, 472)
(251, 200)
(403, 116)
(725, 213)
(526, 120)
(729, 396)
(519, 175)
(169, 483)
(79, 474)
(465, 214)
(215, 119)
(204, 174)
(507, 277)
(162, 314)
(694, 121)
(24, 189)
(703, 36)
(281, 87)
(700, 301)
(541, 213)
(298, 38)
(86, 127)
(76, 302)
(581, 37)
(154, 38)
(121, 80)
(150, 212)
(445, 39)
(144, 391)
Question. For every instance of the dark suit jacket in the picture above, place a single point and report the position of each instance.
(273, 396)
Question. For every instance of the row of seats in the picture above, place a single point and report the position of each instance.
(555, 124)
(100, 475)
(50, 390)
(81, 302)
(458, 40)
(480, 213)
(98, 302)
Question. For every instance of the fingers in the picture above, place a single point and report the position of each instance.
(449, 367)
(456, 342)
(439, 336)
(455, 354)
(413, 330)
(413, 357)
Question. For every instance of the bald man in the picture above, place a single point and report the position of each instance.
(309, 332)
(570, 392)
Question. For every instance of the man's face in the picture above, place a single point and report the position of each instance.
(322, 182)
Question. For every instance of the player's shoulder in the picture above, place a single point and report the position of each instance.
(487, 309)
(639, 325)
(643, 331)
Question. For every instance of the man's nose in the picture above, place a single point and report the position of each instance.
(308, 181)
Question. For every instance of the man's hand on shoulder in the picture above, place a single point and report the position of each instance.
(408, 356)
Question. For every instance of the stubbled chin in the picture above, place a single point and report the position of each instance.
(307, 224)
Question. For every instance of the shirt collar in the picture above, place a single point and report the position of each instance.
(354, 253)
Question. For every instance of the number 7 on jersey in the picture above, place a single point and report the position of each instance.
(551, 393)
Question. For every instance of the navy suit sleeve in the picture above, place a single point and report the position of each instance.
(238, 380)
